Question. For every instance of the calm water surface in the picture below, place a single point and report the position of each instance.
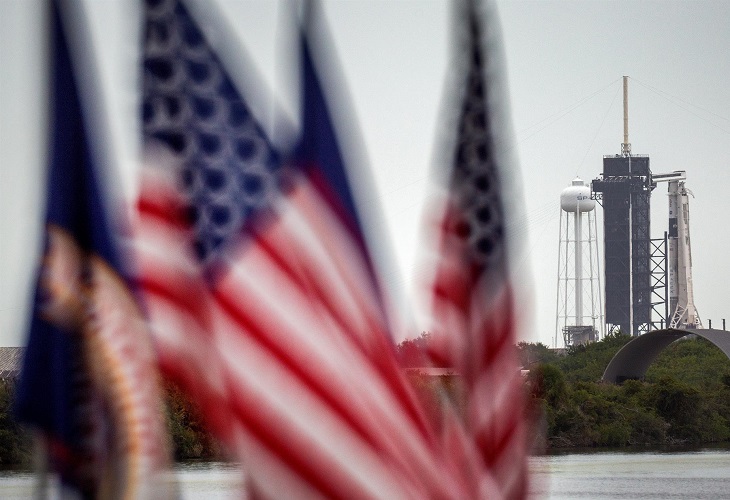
(195, 480)
(604, 475)
(649, 475)
(214, 480)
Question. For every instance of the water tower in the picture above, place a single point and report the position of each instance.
(579, 315)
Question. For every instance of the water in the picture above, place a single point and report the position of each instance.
(195, 480)
(621, 475)
(16, 484)
(644, 475)
(209, 480)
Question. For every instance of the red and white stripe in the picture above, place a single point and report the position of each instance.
(474, 332)
(286, 350)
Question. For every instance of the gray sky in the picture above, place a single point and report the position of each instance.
(564, 60)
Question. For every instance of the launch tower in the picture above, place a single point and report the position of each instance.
(624, 190)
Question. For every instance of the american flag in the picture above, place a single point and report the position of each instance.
(260, 289)
(263, 297)
(472, 301)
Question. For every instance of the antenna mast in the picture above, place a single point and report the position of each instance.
(626, 145)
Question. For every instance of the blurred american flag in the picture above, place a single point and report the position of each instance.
(260, 289)
(473, 326)
(265, 303)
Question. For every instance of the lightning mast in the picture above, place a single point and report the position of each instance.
(626, 145)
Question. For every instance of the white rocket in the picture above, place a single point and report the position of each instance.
(682, 311)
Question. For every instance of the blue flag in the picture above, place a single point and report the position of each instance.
(88, 379)
(53, 393)
(318, 149)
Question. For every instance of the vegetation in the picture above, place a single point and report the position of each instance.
(189, 438)
(436, 392)
(15, 442)
(412, 353)
(684, 399)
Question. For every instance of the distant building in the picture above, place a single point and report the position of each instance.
(11, 359)
(432, 371)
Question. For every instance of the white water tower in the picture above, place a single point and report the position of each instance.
(579, 316)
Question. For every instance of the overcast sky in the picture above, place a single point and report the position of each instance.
(564, 63)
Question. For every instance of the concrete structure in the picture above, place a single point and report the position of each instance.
(633, 359)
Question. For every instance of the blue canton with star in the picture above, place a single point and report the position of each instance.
(229, 168)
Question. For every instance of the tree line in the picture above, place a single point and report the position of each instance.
(189, 438)
(683, 399)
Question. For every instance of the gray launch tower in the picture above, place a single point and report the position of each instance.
(624, 190)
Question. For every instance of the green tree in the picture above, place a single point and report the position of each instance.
(694, 361)
(685, 397)
(588, 362)
(413, 353)
(15, 441)
(530, 354)
(189, 434)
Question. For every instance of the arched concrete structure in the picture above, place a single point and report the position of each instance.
(633, 359)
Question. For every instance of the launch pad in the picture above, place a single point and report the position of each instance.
(647, 282)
